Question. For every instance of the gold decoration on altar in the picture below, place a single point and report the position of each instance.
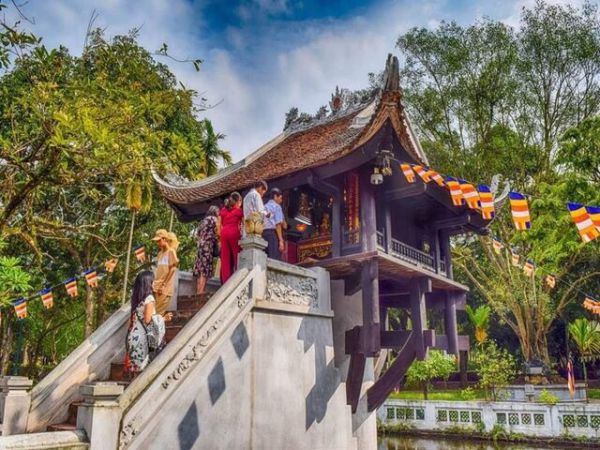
(318, 247)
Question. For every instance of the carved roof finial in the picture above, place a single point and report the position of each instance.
(391, 76)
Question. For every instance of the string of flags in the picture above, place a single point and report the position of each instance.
(70, 285)
(586, 218)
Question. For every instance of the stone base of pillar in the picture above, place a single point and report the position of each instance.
(100, 415)
(15, 401)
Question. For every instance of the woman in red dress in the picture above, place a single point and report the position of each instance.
(230, 217)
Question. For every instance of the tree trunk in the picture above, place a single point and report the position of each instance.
(425, 391)
(128, 259)
(585, 380)
(6, 348)
(89, 311)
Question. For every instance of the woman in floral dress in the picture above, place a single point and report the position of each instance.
(142, 309)
(208, 234)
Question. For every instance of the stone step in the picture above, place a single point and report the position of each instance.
(72, 419)
(191, 303)
(62, 427)
(172, 331)
(117, 373)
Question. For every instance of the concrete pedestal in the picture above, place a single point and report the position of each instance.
(99, 415)
(14, 404)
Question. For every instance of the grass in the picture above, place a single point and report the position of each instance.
(455, 396)
(593, 394)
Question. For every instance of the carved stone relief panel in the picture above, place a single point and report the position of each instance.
(291, 289)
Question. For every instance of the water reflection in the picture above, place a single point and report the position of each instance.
(407, 443)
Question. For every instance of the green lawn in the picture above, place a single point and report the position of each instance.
(440, 395)
(594, 394)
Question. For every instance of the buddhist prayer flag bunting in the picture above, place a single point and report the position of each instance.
(408, 173)
(47, 298)
(455, 191)
(488, 211)
(515, 259)
(594, 213)
(20, 308)
(469, 193)
(498, 245)
(71, 286)
(437, 178)
(422, 173)
(550, 281)
(91, 276)
(591, 305)
(110, 265)
(529, 267)
(520, 211)
(583, 222)
(570, 377)
(140, 252)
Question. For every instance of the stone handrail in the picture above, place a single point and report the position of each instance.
(51, 397)
(142, 399)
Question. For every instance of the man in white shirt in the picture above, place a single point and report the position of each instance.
(253, 200)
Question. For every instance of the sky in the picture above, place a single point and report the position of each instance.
(262, 57)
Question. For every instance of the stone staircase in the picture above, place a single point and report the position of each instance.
(187, 306)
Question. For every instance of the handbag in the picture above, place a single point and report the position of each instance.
(155, 332)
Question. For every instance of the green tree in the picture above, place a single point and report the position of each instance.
(480, 319)
(496, 367)
(213, 153)
(437, 364)
(488, 99)
(586, 335)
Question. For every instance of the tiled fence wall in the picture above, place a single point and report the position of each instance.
(528, 418)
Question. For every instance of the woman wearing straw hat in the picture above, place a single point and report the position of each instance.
(166, 265)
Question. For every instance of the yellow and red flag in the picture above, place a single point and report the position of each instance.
(570, 377)
(47, 298)
(470, 194)
(422, 173)
(529, 268)
(594, 212)
(586, 227)
(140, 253)
(488, 211)
(551, 281)
(20, 306)
(515, 259)
(498, 245)
(71, 287)
(520, 211)
(455, 191)
(110, 265)
(91, 276)
(408, 173)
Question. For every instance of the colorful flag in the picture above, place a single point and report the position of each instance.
(437, 178)
(92, 278)
(140, 252)
(520, 211)
(594, 212)
(469, 193)
(20, 308)
(529, 267)
(550, 281)
(408, 173)
(488, 211)
(591, 305)
(583, 222)
(570, 377)
(498, 245)
(47, 298)
(455, 191)
(422, 173)
(110, 265)
(71, 286)
(515, 259)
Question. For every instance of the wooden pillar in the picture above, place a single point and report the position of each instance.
(418, 288)
(388, 227)
(450, 321)
(436, 250)
(336, 226)
(370, 338)
(445, 249)
(368, 217)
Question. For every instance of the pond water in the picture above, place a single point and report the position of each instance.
(414, 443)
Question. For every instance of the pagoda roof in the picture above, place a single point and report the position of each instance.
(305, 145)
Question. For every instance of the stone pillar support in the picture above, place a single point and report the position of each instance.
(450, 321)
(15, 401)
(418, 287)
(100, 414)
(253, 255)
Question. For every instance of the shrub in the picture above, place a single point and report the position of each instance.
(548, 398)
(437, 365)
(495, 366)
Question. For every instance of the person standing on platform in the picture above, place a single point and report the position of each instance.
(208, 236)
(230, 217)
(253, 200)
(273, 232)
(166, 265)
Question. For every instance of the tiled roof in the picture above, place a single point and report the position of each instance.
(312, 146)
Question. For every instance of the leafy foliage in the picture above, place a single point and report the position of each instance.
(495, 366)
(437, 365)
(480, 318)
(586, 335)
